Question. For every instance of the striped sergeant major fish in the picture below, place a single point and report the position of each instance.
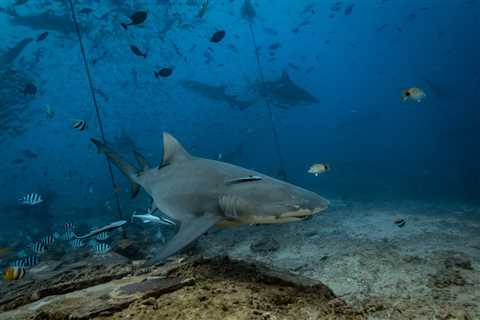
(38, 247)
(50, 239)
(29, 261)
(101, 248)
(31, 199)
(76, 243)
(102, 236)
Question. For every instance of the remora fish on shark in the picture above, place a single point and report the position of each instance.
(200, 193)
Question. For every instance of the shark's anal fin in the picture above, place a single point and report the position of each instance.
(188, 232)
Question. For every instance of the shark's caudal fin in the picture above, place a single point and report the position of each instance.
(130, 171)
(188, 232)
(173, 150)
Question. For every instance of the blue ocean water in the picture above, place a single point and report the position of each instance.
(344, 66)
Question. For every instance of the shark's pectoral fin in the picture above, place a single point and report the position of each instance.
(188, 232)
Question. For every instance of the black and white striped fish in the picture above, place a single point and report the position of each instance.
(67, 235)
(69, 226)
(18, 263)
(31, 261)
(31, 199)
(79, 124)
(38, 247)
(102, 248)
(50, 239)
(102, 236)
(76, 243)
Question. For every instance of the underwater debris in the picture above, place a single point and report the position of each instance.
(136, 18)
(218, 36)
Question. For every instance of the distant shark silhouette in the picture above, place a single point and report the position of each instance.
(216, 93)
(284, 93)
(10, 55)
(200, 193)
(46, 20)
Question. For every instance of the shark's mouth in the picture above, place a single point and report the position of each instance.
(286, 217)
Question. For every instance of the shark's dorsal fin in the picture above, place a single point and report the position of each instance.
(172, 150)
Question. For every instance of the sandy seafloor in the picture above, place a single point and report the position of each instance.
(428, 269)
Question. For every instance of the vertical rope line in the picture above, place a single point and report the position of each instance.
(94, 99)
(267, 103)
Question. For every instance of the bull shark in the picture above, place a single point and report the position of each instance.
(199, 193)
(12, 54)
(46, 20)
(217, 93)
(284, 93)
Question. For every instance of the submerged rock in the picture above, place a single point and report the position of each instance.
(198, 288)
(265, 246)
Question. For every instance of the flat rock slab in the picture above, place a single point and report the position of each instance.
(197, 288)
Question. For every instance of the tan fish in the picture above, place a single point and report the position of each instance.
(414, 94)
(318, 168)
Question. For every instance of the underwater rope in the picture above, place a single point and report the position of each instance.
(268, 105)
(94, 99)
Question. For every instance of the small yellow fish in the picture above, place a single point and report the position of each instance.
(13, 273)
(318, 168)
(414, 94)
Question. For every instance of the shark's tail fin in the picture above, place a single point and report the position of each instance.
(127, 169)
